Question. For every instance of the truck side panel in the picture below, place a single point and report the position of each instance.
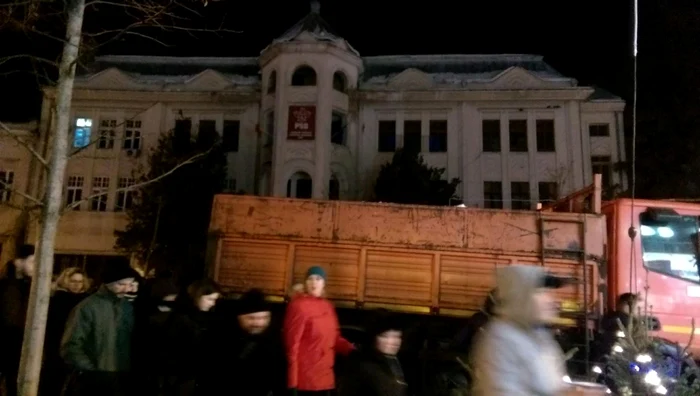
(418, 281)
(406, 225)
(410, 258)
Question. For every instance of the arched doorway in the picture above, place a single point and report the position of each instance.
(333, 189)
(299, 186)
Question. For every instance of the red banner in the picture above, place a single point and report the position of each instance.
(302, 123)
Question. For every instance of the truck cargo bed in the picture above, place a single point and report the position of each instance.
(405, 257)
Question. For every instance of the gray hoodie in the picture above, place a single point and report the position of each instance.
(514, 356)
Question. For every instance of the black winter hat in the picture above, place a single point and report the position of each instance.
(251, 302)
(25, 251)
(117, 272)
(382, 323)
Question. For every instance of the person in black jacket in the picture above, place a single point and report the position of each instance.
(14, 299)
(192, 354)
(376, 370)
(255, 363)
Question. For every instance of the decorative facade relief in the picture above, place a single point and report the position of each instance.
(411, 79)
(208, 80)
(111, 79)
(299, 151)
(518, 78)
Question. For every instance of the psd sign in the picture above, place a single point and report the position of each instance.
(302, 123)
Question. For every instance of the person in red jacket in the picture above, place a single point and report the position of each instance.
(312, 338)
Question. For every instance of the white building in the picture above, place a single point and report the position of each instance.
(311, 117)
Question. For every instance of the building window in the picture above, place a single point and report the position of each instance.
(603, 165)
(545, 135)
(132, 135)
(74, 191)
(340, 83)
(182, 135)
(491, 136)
(272, 82)
(338, 128)
(599, 130)
(438, 136)
(520, 196)
(107, 134)
(232, 135)
(547, 191)
(7, 179)
(100, 189)
(229, 186)
(411, 136)
(82, 132)
(493, 195)
(387, 136)
(206, 135)
(304, 76)
(333, 189)
(518, 135)
(125, 197)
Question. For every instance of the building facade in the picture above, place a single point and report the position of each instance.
(16, 167)
(312, 118)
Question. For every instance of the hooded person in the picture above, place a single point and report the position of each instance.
(376, 370)
(516, 354)
(312, 338)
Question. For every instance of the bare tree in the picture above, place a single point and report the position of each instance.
(80, 39)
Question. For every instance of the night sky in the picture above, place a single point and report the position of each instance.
(588, 40)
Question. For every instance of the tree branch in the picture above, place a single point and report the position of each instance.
(6, 187)
(26, 145)
(144, 183)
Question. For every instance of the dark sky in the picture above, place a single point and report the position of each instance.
(590, 42)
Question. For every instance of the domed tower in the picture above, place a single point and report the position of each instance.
(309, 133)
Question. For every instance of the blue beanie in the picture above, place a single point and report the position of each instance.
(316, 270)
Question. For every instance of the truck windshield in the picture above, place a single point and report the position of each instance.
(669, 246)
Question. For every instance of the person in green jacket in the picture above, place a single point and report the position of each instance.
(97, 341)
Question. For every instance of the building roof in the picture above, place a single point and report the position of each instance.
(316, 27)
(173, 66)
(458, 69)
(603, 95)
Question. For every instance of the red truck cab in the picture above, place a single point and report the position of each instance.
(658, 262)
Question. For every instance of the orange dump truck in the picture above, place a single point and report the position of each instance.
(408, 258)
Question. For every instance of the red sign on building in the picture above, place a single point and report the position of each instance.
(302, 123)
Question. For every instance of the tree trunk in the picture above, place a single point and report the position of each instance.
(33, 345)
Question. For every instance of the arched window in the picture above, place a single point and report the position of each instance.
(340, 82)
(299, 186)
(272, 82)
(304, 76)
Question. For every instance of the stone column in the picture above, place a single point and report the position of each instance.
(323, 149)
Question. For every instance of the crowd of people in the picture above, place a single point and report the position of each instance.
(131, 336)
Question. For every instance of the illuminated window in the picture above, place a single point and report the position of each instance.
(82, 132)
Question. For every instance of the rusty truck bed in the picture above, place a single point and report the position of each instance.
(406, 257)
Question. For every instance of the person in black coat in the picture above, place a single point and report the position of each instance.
(256, 363)
(376, 370)
(14, 300)
(192, 355)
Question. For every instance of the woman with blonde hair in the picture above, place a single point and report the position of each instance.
(70, 288)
